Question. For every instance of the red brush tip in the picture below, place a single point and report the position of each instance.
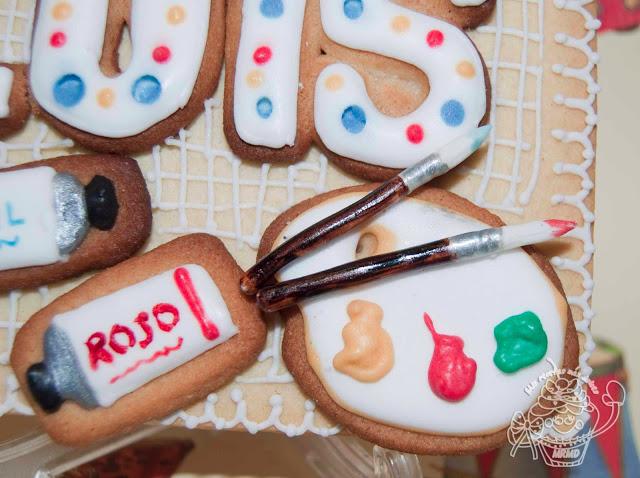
(560, 227)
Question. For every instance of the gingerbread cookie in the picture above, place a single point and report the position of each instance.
(62, 217)
(300, 72)
(150, 336)
(14, 102)
(416, 362)
(76, 79)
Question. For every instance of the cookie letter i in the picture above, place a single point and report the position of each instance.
(267, 72)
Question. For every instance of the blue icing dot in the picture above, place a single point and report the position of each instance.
(69, 90)
(271, 8)
(354, 119)
(264, 107)
(452, 113)
(353, 8)
(146, 90)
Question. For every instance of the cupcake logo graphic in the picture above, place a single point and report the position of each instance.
(564, 419)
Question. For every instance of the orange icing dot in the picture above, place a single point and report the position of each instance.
(400, 24)
(466, 69)
(176, 15)
(255, 78)
(106, 97)
(62, 11)
(334, 82)
(367, 355)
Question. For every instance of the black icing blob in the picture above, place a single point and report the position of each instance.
(102, 203)
(43, 388)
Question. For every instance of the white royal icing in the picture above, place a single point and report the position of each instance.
(267, 72)
(167, 350)
(6, 83)
(28, 220)
(67, 81)
(346, 119)
(467, 3)
(465, 299)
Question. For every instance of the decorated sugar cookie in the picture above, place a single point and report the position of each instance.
(14, 103)
(77, 82)
(416, 361)
(62, 217)
(147, 337)
(351, 71)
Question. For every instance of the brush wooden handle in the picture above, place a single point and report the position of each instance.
(333, 226)
(286, 294)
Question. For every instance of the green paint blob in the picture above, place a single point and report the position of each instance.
(521, 342)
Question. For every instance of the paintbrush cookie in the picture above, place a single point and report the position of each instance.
(352, 77)
(415, 362)
(62, 217)
(78, 85)
(150, 336)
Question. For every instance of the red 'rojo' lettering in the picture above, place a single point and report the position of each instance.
(166, 309)
(188, 291)
(116, 346)
(96, 344)
(142, 320)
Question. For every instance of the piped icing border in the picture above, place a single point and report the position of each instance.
(582, 170)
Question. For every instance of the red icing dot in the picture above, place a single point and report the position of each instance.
(262, 55)
(58, 39)
(161, 54)
(452, 374)
(415, 133)
(435, 38)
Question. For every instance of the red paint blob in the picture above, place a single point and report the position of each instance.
(435, 38)
(262, 55)
(415, 133)
(58, 39)
(452, 374)
(161, 54)
(560, 227)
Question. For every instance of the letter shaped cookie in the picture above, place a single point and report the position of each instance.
(76, 79)
(296, 67)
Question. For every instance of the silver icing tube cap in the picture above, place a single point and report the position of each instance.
(71, 209)
(79, 207)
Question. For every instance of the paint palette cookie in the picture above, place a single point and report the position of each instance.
(301, 72)
(60, 218)
(139, 341)
(415, 362)
(78, 85)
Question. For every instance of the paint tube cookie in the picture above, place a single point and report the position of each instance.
(14, 99)
(145, 338)
(417, 361)
(62, 217)
(351, 76)
(78, 85)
